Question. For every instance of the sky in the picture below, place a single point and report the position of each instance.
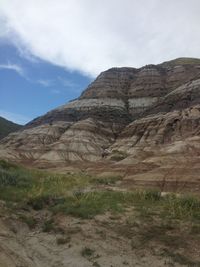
(51, 50)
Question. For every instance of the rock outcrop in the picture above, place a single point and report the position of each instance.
(154, 110)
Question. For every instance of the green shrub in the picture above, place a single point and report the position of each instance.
(39, 202)
(111, 180)
(93, 203)
(87, 252)
(152, 195)
(7, 178)
(118, 155)
(183, 207)
(14, 178)
(48, 226)
(7, 165)
(29, 220)
(42, 201)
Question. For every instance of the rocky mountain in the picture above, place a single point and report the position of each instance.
(142, 123)
(7, 127)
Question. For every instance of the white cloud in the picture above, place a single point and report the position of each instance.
(17, 118)
(46, 83)
(13, 67)
(59, 80)
(91, 36)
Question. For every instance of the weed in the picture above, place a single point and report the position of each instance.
(7, 165)
(93, 203)
(111, 180)
(87, 252)
(48, 226)
(118, 155)
(7, 179)
(181, 259)
(186, 207)
(39, 202)
(29, 220)
(152, 195)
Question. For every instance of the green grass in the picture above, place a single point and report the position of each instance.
(64, 193)
(185, 207)
(5, 165)
(18, 184)
(110, 180)
(93, 203)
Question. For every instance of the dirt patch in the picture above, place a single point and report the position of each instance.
(109, 240)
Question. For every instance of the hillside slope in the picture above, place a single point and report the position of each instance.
(7, 127)
(125, 118)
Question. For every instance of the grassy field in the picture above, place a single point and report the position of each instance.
(75, 194)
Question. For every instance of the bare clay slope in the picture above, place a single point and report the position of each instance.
(146, 115)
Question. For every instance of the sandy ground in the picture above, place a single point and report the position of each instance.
(109, 242)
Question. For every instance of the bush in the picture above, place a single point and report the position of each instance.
(118, 155)
(15, 178)
(184, 207)
(7, 165)
(42, 201)
(48, 226)
(87, 252)
(111, 180)
(93, 203)
(30, 221)
(7, 178)
(152, 195)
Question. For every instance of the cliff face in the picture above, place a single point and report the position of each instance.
(153, 111)
(120, 95)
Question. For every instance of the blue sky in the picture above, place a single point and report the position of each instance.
(31, 87)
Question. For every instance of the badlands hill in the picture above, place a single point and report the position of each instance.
(140, 123)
